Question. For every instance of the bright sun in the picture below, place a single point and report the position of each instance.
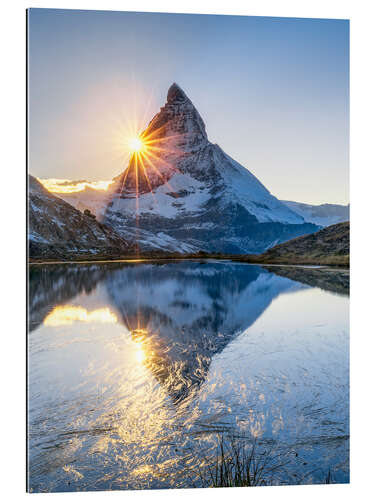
(136, 144)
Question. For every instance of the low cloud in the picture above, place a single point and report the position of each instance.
(73, 186)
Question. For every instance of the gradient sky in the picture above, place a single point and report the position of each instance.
(273, 92)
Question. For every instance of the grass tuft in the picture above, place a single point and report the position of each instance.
(239, 462)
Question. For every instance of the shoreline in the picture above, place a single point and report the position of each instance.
(140, 259)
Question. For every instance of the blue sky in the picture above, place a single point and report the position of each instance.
(273, 92)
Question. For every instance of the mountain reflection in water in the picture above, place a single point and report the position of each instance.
(135, 368)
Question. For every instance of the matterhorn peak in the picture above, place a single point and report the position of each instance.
(179, 119)
(185, 194)
(176, 94)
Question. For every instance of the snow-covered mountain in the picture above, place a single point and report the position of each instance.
(58, 230)
(322, 215)
(190, 195)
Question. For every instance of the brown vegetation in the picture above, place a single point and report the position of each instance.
(329, 246)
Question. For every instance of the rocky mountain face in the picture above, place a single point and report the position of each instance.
(186, 194)
(58, 230)
(322, 215)
(328, 246)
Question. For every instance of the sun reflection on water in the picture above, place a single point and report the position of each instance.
(68, 314)
(140, 355)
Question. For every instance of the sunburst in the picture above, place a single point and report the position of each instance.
(136, 144)
(147, 153)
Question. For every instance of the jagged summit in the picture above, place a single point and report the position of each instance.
(179, 121)
(176, 94)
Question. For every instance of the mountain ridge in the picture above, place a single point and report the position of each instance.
(324, 214)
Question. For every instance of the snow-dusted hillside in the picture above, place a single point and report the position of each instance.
(322, 215)
(192, 196)
(58, 230)
(94, 200)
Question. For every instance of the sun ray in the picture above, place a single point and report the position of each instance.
(166, 150)
(136, 204)
(124, 179)
(172, 167)
(146, 174)
(154, 167)
(156, 131)
(162, 139)
(136, 182)
(165, 181)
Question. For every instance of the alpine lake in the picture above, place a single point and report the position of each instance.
(180, 374)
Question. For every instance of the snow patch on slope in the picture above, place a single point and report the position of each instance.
(253, 195)
(182, 193)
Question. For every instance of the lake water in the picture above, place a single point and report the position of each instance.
(140, 372)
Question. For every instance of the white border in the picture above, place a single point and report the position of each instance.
(12, 197)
